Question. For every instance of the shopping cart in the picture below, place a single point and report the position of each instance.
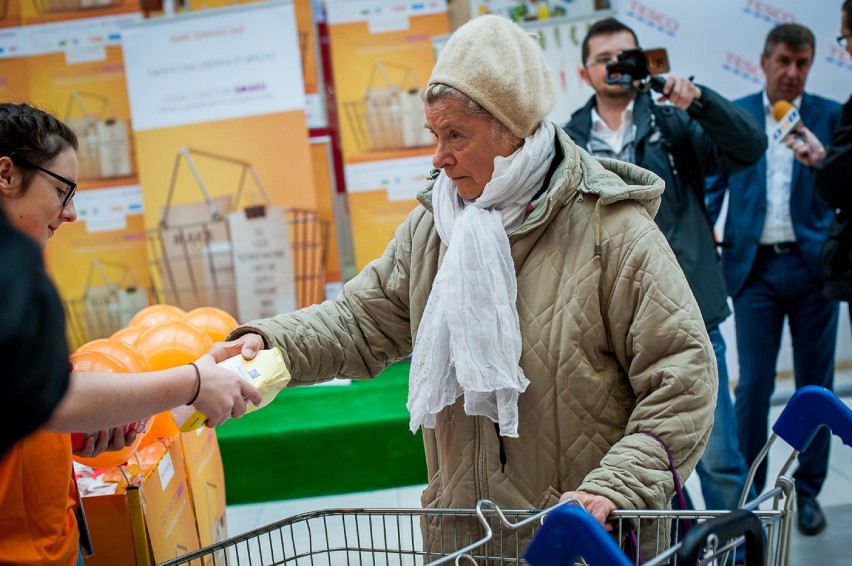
(557, 536)
(765, 534)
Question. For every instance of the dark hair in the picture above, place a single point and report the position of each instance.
(847, 13)
(33, 134)
(605, 26)
(794, 36)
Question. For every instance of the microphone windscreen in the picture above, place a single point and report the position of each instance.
(780, 108)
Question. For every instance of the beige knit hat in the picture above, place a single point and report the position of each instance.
(501, 67)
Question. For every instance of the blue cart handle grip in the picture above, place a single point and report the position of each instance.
(808, 409)
(570, 533)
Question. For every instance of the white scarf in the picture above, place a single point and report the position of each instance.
(469, 340)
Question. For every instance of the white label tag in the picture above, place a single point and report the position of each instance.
(166, 469)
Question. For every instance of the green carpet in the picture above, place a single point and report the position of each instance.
(319, 440)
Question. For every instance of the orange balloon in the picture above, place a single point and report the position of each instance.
(155, 314)
(128, 355)
(161, 425)
(172, 343)
(96, 361)
(215, 322)
(128, 335)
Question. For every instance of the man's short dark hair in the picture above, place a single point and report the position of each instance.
(606, 26)
(847, 13)
(794, 36)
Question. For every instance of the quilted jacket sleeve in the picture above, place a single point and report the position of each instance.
(659, 339)
(357, 334)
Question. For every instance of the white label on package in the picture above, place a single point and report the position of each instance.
(166, 469)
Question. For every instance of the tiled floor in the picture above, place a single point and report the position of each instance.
(830, 547)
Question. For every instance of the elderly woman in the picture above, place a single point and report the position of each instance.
(550, 324)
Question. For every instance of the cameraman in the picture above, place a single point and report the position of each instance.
(699, 134)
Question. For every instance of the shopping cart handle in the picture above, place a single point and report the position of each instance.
(808, 409)
(739, 522)
(569, 533)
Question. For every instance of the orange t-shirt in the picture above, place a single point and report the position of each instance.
(37, 502)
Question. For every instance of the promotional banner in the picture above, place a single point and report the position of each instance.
(75, 70)
(306, 29)
(43, 11)
(382, 56)
(530, 10)
(218, 107)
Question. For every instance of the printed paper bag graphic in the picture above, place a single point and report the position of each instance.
(110, 299)
(391, 114)
(194, 254)
(191, 248)
(105, 141)
(263, 262)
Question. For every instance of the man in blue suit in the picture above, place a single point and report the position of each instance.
(774, 231)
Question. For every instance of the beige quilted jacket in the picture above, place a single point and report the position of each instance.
(613, 346)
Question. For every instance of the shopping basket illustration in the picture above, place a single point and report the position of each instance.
(105, 149)
(190, 250)
(110, 299)
(561, 535)
(390, 116)
(50, 6)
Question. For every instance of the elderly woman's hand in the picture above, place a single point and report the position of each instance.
(248, 345)
(599, 506)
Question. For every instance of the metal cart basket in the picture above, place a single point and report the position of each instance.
(488, 535)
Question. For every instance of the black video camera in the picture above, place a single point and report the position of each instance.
(637, 69)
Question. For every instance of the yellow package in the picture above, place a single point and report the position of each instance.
(267, 372)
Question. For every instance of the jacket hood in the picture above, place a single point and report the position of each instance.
(609, 179)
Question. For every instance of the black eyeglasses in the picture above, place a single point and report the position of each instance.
(72, 187)
(842, 40)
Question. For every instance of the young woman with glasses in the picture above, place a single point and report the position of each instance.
(38, 496)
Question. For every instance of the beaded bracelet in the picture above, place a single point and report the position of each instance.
(197, 383)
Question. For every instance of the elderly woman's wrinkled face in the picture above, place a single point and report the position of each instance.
(467, 145)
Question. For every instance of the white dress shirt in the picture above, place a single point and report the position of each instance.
(613, 138)
(778, 225)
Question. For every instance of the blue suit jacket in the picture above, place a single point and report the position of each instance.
(747, 198)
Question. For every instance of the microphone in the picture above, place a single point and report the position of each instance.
(788, 117)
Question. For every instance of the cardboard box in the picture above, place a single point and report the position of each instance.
(206, 477)
(149, 521)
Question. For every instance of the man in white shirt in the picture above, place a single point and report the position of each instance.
(774, 231)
